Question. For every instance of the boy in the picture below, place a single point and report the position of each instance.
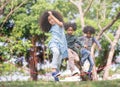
(71, 39)
(86, 43)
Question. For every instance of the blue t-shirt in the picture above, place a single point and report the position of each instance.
(58, 40)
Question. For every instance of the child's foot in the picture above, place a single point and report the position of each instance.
(55, 75)
(89, 75)
(81, 63)
(75, 73)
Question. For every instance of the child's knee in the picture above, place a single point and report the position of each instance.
(55, 51)
(92, 64)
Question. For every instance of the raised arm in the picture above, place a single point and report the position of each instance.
(78, 42)
(98, 44)
(55, 19)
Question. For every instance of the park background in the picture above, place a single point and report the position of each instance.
(20, 32)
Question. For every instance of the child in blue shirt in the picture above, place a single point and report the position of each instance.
(52, 22)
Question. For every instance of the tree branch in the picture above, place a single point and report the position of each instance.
(78, 5)
(110, 41)
(109, 25)
(111, 54)
(3, 6)
(73, 3)
(11, 12)
(88, 7)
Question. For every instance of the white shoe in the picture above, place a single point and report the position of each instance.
(74, 73)
(58, 74)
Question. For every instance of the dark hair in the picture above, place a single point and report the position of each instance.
(43, 21)
(89, 29)
(67, 25)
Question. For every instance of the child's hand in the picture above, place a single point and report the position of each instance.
(100, 48)
(85, 46)
(76, 45)
(49, 12)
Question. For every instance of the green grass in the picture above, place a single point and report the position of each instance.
(113, 83)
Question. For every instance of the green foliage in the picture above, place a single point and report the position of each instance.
(102, 58)
(110, 35)
(7, 69)
(14, 47)
(118, 48)
(67, 9)
(26, 25)
(78, 32)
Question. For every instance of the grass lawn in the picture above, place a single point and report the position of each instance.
(112, 83)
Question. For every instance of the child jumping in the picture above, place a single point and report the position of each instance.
(72, 49)
(86, 41)
(52, 22)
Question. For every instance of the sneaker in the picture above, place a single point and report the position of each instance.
(74, 73)
(81, 63)
(89, 75)
(58, 74)
(55, 75)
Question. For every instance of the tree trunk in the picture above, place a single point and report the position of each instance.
(33, 61)
(98, 37)
(94, 73)
(81, 15)
(79, 6)
(111, 53)
(82, 73)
